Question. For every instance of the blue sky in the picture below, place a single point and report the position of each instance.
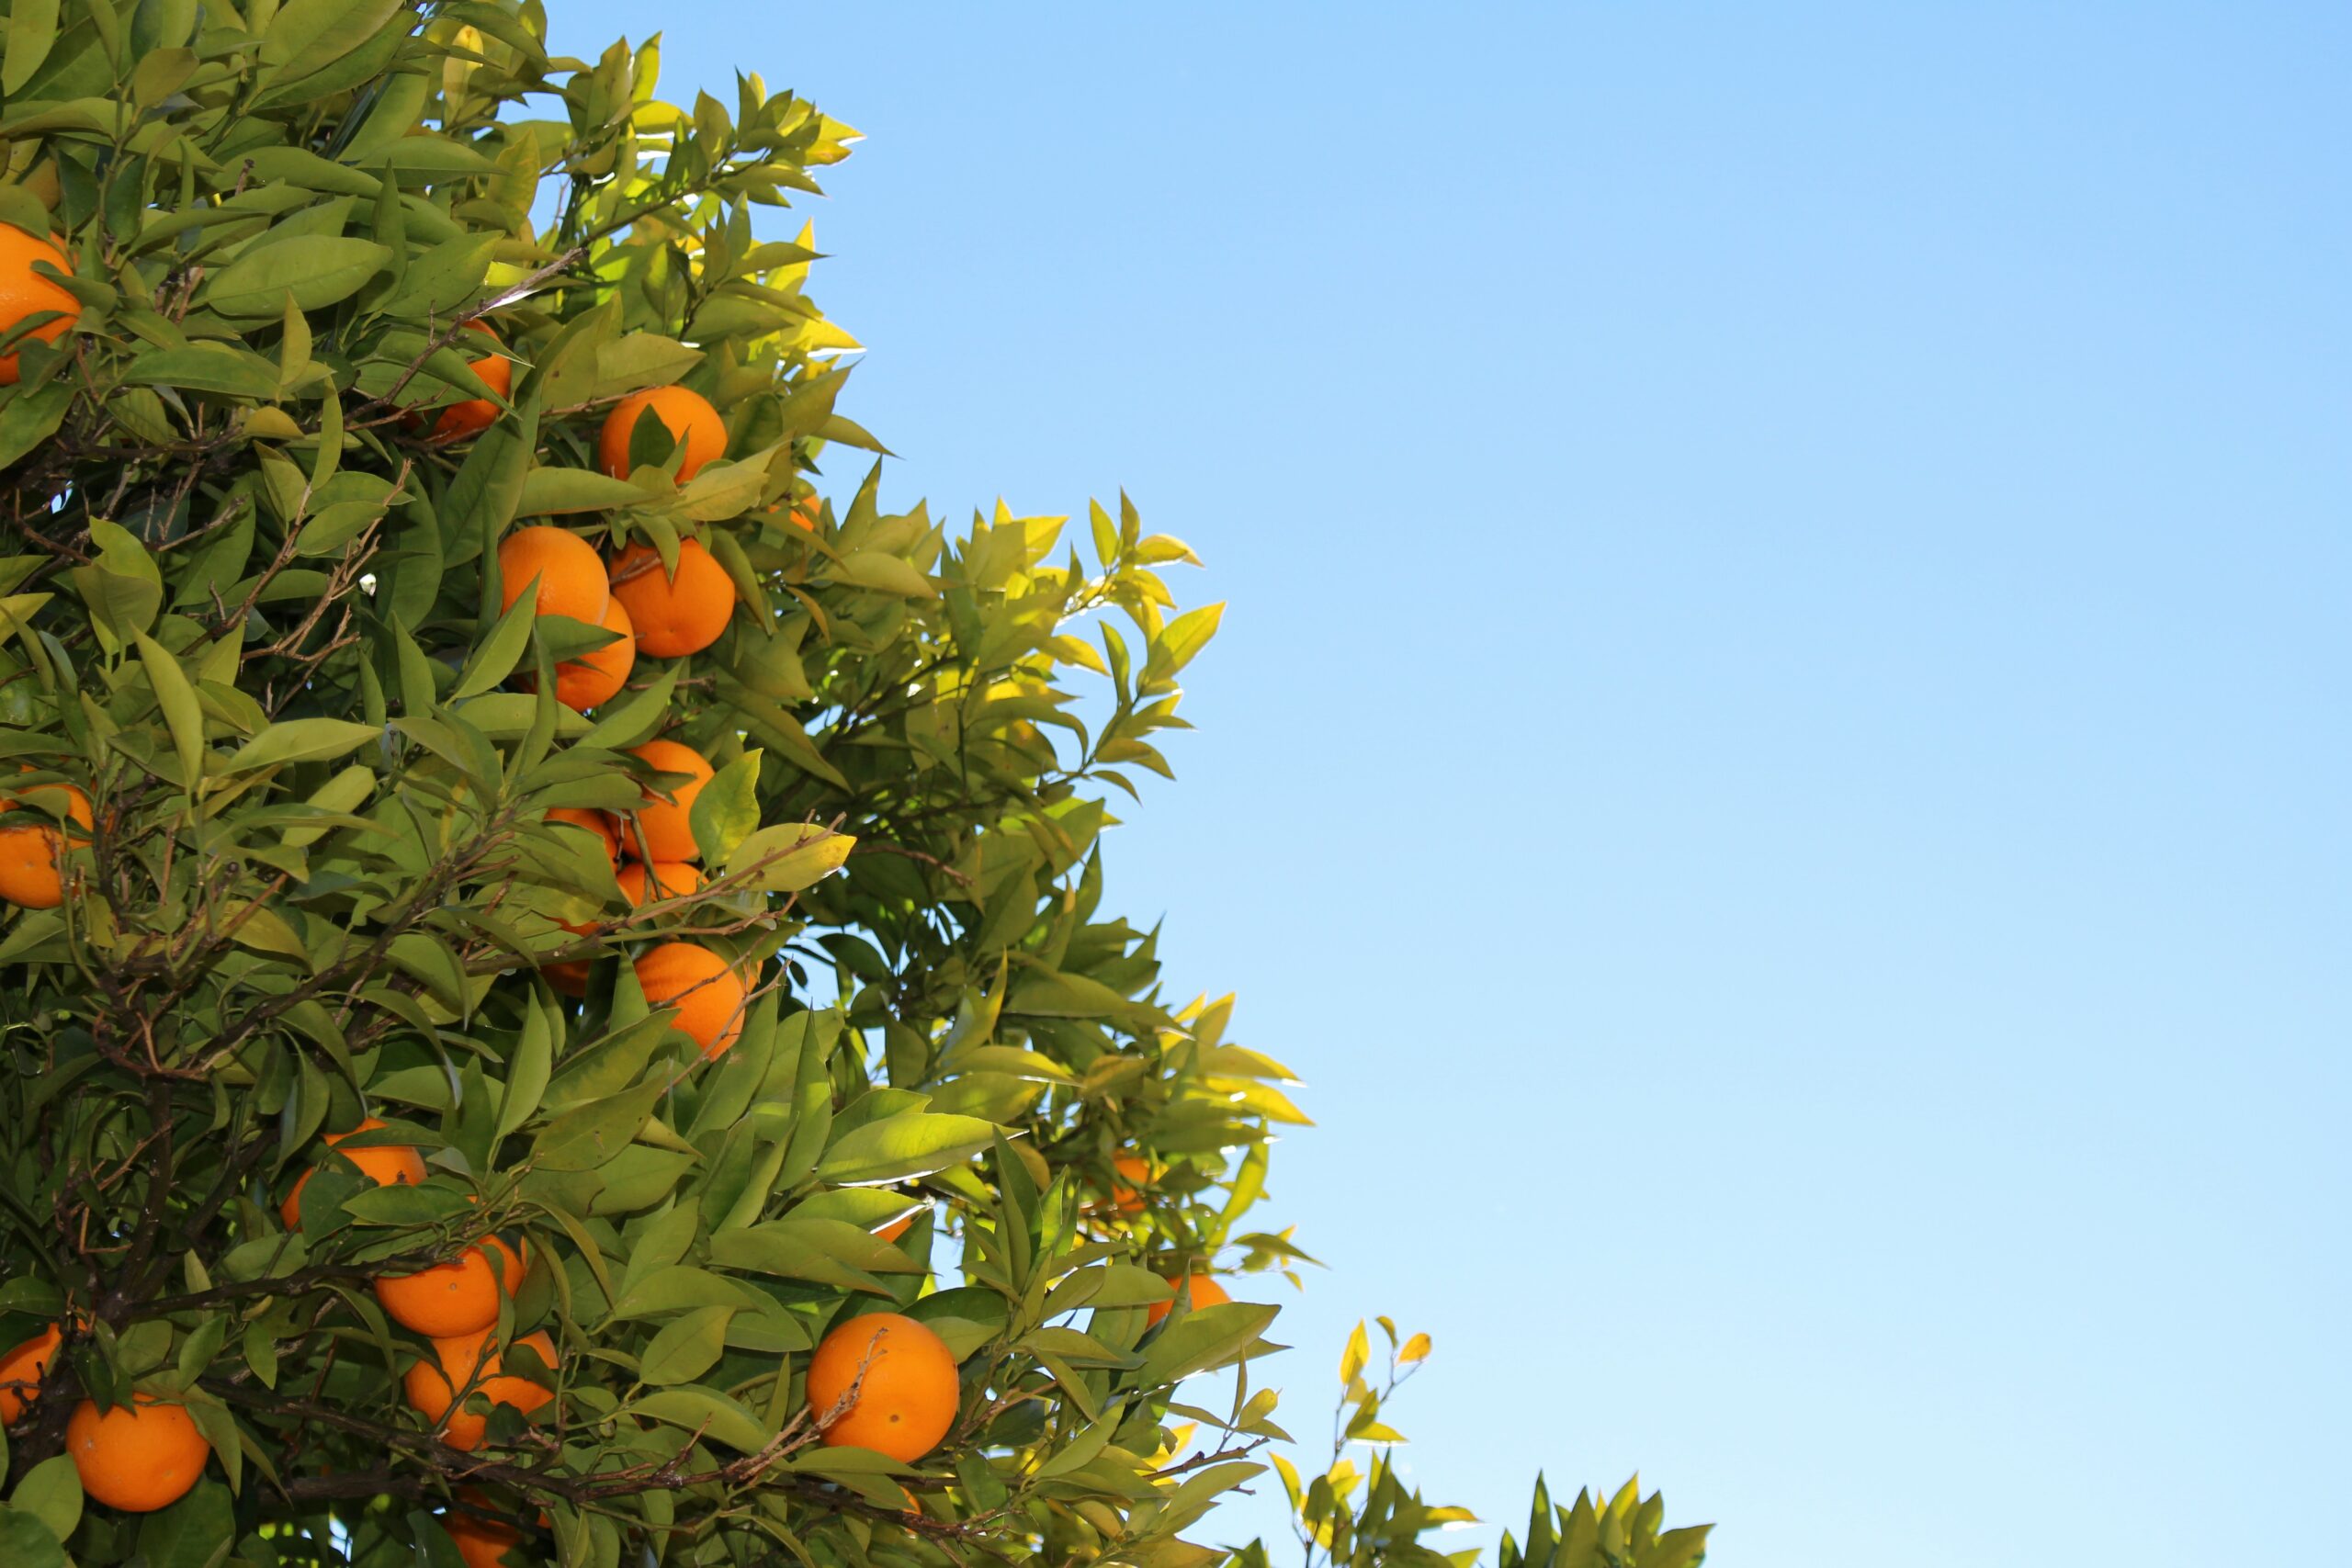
(1779, 759)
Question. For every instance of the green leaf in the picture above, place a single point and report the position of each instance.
(26, 1542)
(527, 1070)
(789, 858)
(318, 270)
(913, 1143)
(687, 1347)
(549, 492)
(587, 1135)
(1204, 1337)
(300, 741)
(182, 714)
(32, 32)
(884, 573)
(226, 369)
(192, 1532)
(495, 657)
(32, 417)
(51, 1493)
(699, 1409)
(727, 809)
(1184, 637)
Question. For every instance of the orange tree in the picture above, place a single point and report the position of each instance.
(538, 947)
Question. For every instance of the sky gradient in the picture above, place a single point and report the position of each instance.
(1778, 757)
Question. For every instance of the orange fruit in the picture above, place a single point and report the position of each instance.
(394, 1165)
(21, 1370)
(138, 1457)
(692, 424)
(596, 676)
(892, 1382)
(672, 879)
(477, 414)
(664, 830)
(595, 824)
(457, 1297)
(676, 612)
(570, 977)
(24, 292)
(1198, 1290)
(707, 991)
(1126, 1197)
(804, 512)
(569, 574)
(31, 873)
(432, 1385)
(481, 1543)
(896, 1228)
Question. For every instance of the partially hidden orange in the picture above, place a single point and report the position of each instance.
(25, 293)
(669, 879)
(394, 1165)
(475, 415)
(885, 1382)
(21, 1370)
(692, 424)
(1198, 1290)
(676, 612)
(1126, 1195)
(457, 1297)
(138, 1457)
(481, 1543)
(708, 992)
(32, 873)
(433, 1384)
(597, 675)
(567, 571)
(595, 824)
(665, 830)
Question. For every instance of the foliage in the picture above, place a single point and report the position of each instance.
(1385, 1525)
(256, 615)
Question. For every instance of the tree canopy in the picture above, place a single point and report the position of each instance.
(558, 969)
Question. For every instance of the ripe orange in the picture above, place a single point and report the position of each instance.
(672, 879)
(21, 1370)
(664, 830)
(571, 978)
(481, 1543)
(138, 1457)
(1198, 1290)
(804, 512)
(31, 873)
(1126, 1197)
(24, 292)
(676, 612)
(477, 414)
(707, 991)
(893, 1382)
(394, 1165)
(898, 1228)
(571, 574)
(457, 1297)
(596, 676)
(593, 823)
(692, 424)
(433, 1382)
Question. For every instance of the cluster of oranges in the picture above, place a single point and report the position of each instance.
(136, 1457)
(1131, 1175)
(880, 1380)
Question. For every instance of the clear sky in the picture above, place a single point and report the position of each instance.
(1779, 761)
